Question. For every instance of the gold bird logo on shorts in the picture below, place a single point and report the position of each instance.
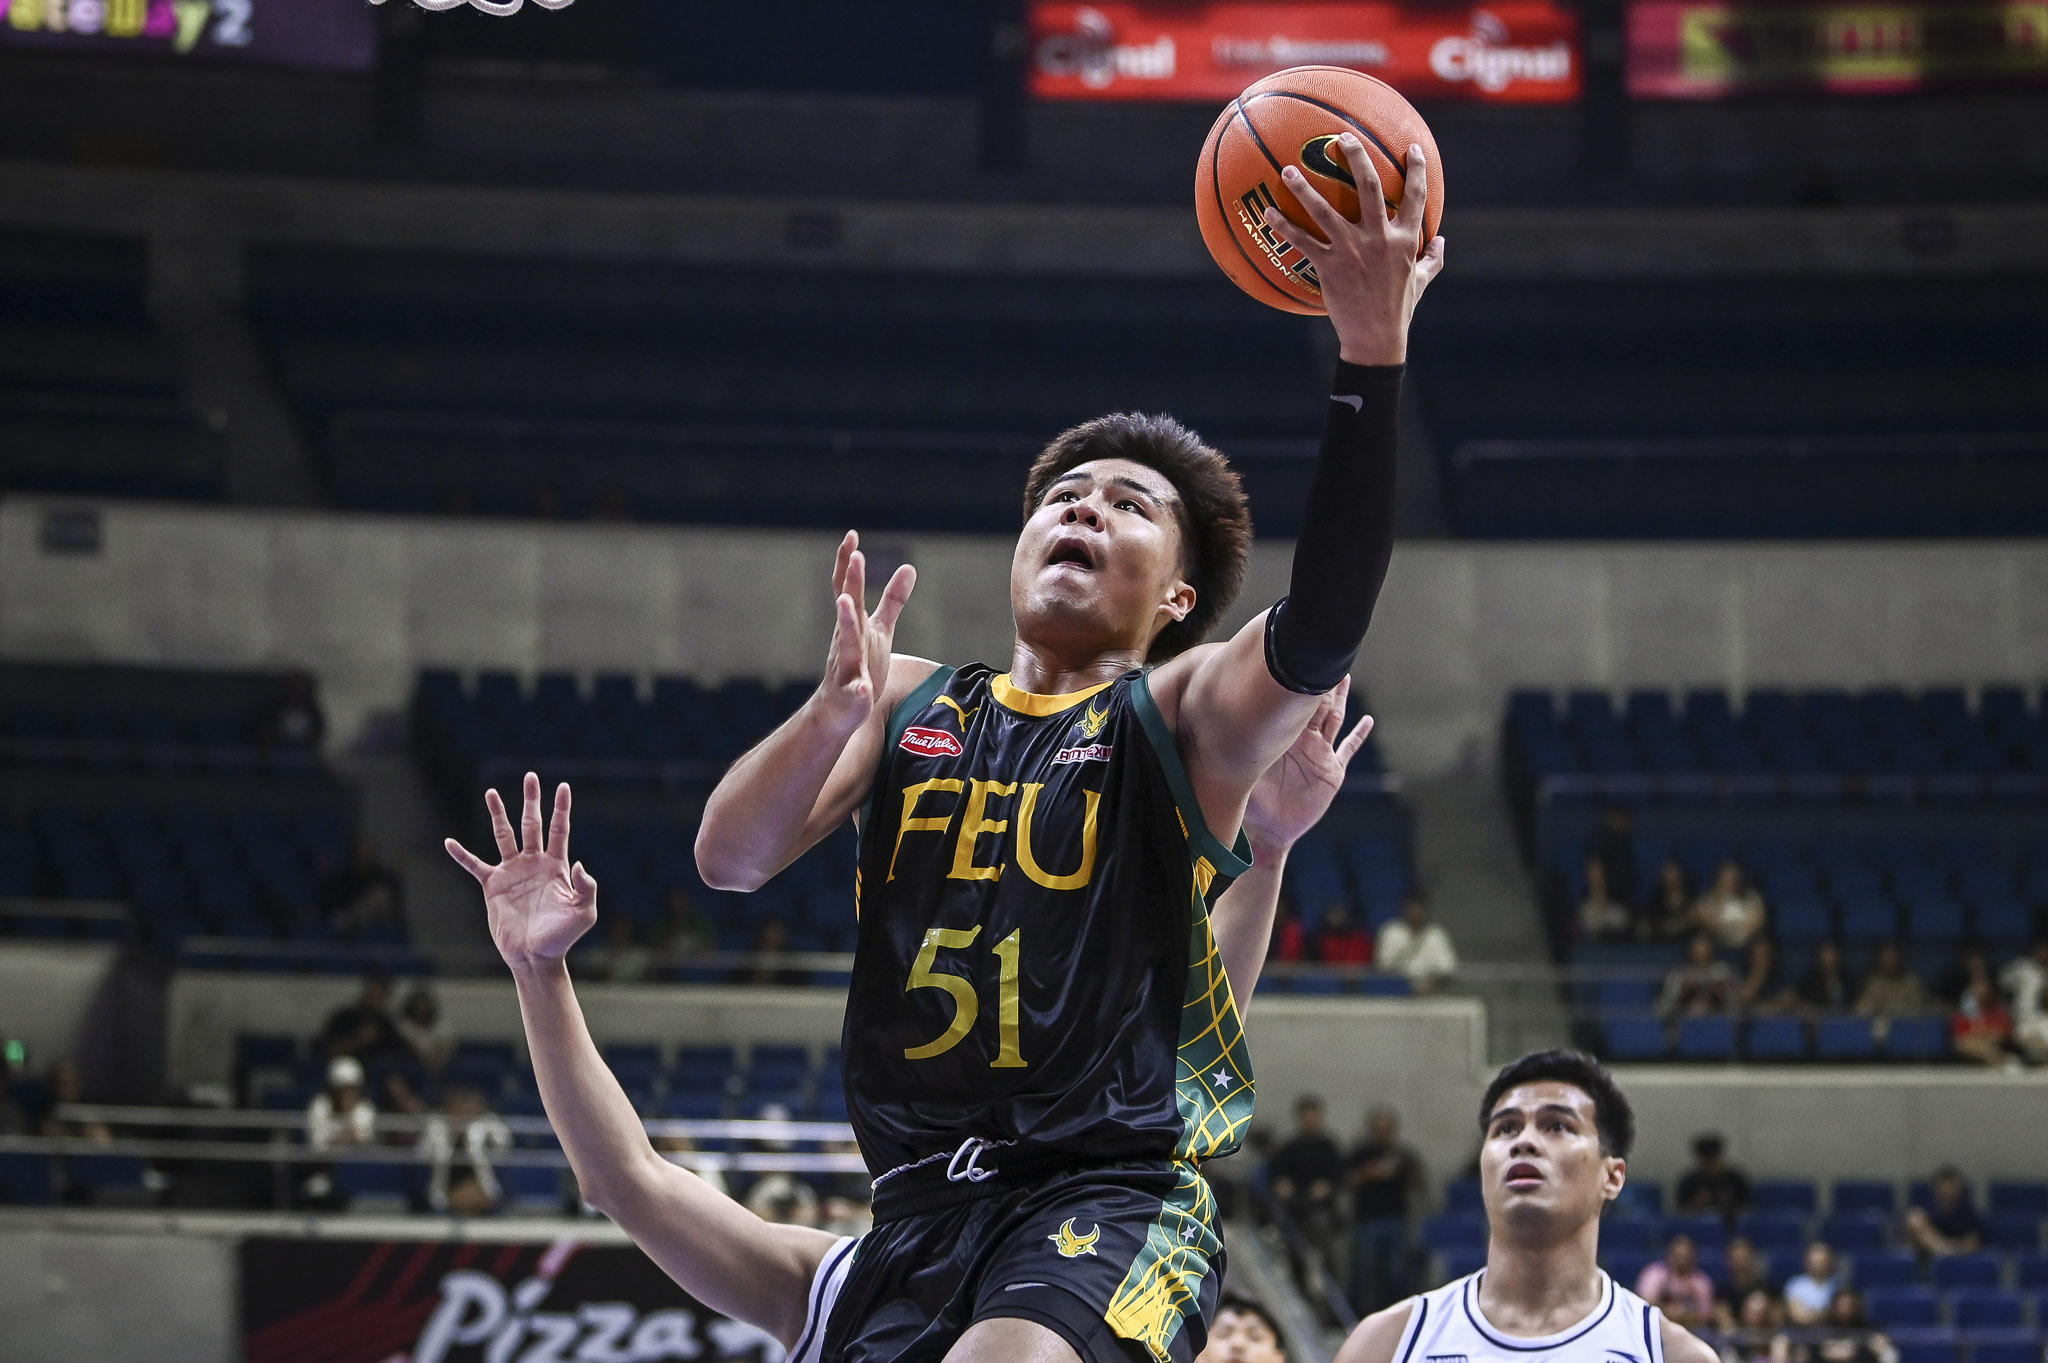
(1071, 1244)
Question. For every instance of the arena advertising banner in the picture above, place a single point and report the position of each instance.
(369, 1301)
(339, 34)
(1512, 52)
(1699, 49)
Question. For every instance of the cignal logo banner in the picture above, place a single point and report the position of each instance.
(1698, 49)
(1515, 52)
(337, 34)
(371, 1301)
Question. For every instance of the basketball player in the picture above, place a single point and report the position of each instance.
(1557, 1132)
(1041, 1040)
(782, 1279)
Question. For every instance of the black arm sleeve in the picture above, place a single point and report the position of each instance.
(1347, 535)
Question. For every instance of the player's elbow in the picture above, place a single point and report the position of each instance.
(724, 867)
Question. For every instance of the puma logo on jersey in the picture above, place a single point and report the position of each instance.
(1072, 1245)
(930, 742)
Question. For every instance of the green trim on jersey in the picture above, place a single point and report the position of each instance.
(1213, 1084)
(899, 720)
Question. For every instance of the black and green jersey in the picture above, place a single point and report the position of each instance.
(1035, 966)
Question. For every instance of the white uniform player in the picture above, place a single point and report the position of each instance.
(1556, 1135)
(825, 1285)
(1447, 1326)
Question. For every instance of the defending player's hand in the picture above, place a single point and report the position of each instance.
(539, 903)
(857, 668)
(1373, 271)
(1296, 791)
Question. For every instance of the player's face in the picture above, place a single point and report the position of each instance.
(1542, 1165)
(1099, 561)
(1241, 1337)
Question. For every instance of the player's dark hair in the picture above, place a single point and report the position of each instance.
(1215, 520)
(1611, 1111)
(1245, 1306)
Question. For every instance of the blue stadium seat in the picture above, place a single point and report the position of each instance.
(1776, 1234)
(1463, 1263)
(1707, 1232)
(1625, 1268)
(2028, 1198)
(1844, 1036)
(1706, 1038)
(1636, 1038)
(1863, 1197)
(367, 1179)
(1885, 1268)
(1628, 1235)
(1935, 1345)
(2004, 1346)
(1464, 1195)
(1903, 1306)
(1640, 1197)
(1917, 1038)
(25, 1180)
(1786, 1195)
(1853, 1234)
(531, 1187)
(1966, 1270)
(1452, 1231)
(2012, 1232)
(1776, 1039)
(1986, 1309)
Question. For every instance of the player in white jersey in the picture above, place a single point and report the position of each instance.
(1557, 1132)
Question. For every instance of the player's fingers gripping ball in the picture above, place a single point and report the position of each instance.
(1295, 117)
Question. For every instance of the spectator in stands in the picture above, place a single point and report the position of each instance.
(1950, 1226)
(1411, 945)
(364, 1029)
(341, 1115)
(1763, 990)
(1702, 984)
(1809, 1291)
(1384, 1175)
(1678, 1285)
(1304, 1175)
(1340, 941)
(1981, 1025)
(67, 1087)
(848, 1208)
(1243, 1332)
(2025, 982)
(781, 1196)
(1669, 910)
(425, 1031)
(1826, 986)
(1290, 943)
(1892, 990)
(1603, 916)
(1745, 1276)
(1713, 1184)
(1731, 910)
(363, 893)
(685, 931)
(772, 940)
(621, 960)
(461, 1140)
(1759, 1317)
(1848, 1337)
(293, 718)
(1613, 849)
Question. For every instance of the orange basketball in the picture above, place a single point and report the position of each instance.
(1294, 117)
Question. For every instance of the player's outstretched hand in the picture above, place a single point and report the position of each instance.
(1372, 271)
(1295, 792)
(857, 668)
(539, 903)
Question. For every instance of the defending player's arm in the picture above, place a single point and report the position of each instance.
(719, 1252)
(1683, 1346)
(1236, 706)
(1378, 1335)
(809, 776)
(1288, 800)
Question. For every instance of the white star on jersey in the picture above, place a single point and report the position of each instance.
(1223, 1079)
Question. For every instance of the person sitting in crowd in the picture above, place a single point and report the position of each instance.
(1678, 1286)
(848, 1206)
(1763, 990)
(1603, 916)
(1304, 1175)
(2025, 983)
(771, 941)
(1613, 846)
(461, 1140)
(362, 893)
(1385, 1175)
(1744, 1277)
(1809, 1291)
(1669, 909)
(426, 1033)
(1411, 945)
(684, 931)
(1340, 940)
(1892, 990)
(1826, 986)
(781, 1196)
(1243, 1332)
(1981, 1026)
(1713, 1184)
(1950, 1225)
(1846, 1335)
(364, 1029)
(621, 959)
(1290, 940)
(339, 1117)
(1756, 1319)
(1731, 911)
(1702, 984)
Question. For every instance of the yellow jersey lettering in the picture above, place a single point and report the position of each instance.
(1038, 874)
(948, 785)
(973, 825)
